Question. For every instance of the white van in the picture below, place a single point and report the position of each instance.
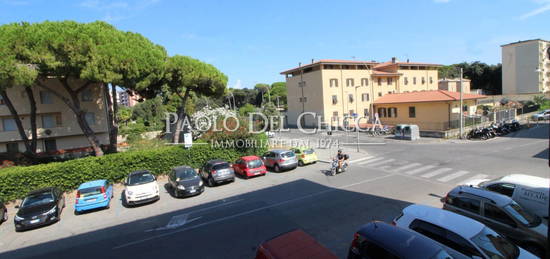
(531, 192)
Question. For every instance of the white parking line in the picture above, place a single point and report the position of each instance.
(475, 177)
(452, 176)
(360, 159)
(371, 160)
(436, 172)
(382, 162)
(418, 170)
(405, 167)
(247, 212)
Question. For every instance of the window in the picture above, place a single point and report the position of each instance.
(364, 97)
(302, 99)
(50, 145)
(333, 82)
(86, 95)
(392, 112)
(502, 188)
(379, 81)
(414, 80)
(494, 213)
(465, 108)
(423, 80)
(350, 98)
(381, 112)
(431, 80)
(51, 121)
(349, 82)
(366, 112)
(390, 81)
(46, 97)
(8, 124)
(12, 147)
(364, 81)
(90, 118)
(301, 84)
(412, 112)
(334, 116)
(379, 94)
(406, 81)
(389, 92)
(334, 99)
(467, 204)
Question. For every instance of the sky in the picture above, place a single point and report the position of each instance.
(253, 41)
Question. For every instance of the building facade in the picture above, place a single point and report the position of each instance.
(526, 67)
(127, 99)
(57, 126)
(334, 89)
(453, 85)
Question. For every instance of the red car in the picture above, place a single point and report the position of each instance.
(293, 245)
(249, 166)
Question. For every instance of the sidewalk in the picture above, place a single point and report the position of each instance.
(326, 155)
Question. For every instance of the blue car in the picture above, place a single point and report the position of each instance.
(93, 195)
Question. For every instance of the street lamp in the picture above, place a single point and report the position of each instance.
(461, 106)
(357, 117)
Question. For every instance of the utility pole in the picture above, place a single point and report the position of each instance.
(357, 117)
(461, 106)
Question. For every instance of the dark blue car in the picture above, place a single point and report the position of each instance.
(93, 195)
(381, 240)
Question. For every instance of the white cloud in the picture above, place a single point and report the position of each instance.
(441, 1)
(238, 84)
(544, 7)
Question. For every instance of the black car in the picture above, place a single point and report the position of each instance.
(40, 207)
(3, 212)
(185, 181)
(217, 171)
(381, 240)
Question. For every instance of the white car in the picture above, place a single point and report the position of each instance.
(542, 115)
(465, 235)
(141, 187)
(531, 192)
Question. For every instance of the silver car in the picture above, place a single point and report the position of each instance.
(280, 160)
(542, 115)
(217, 171)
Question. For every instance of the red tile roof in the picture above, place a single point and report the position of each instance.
(426, 96)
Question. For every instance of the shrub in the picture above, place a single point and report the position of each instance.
(15, 182)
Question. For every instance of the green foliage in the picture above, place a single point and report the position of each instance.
(269, 110)
(539, 100)
(124, 114)
(146, 144)
(482, 76)
(184, 73)
(150, 113)
(246, 109)
(245, 96)
(15, 182)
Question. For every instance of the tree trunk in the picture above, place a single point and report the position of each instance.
(18, 123)
(34, 133)
(181, 116)
(74, 104)
(112, 109)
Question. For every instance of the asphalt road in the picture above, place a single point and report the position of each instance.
(229, 221)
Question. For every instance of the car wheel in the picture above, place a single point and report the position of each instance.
(76, 212)
(5, 218)
(300, 163)
(211, 182)
(277, 168)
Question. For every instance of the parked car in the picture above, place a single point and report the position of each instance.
(270, 134)
(93, 195)
(217, 171)
(305, 155)
(141, 187)
(248, 166)
(185, 181)
(3, 212)
(542, 115)
(501, 214)
(458, 233)
(531, 192)
(381, 240)
(280, 160)
(39, 208)
(294, 244)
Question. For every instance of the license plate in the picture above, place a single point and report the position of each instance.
(91, 200)
(192, 191)
(34, 221)
(255, 173)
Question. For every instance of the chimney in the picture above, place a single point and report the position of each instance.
(393, 59)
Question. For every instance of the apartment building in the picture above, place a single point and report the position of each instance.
(56, 123)
(526, 67)
(128, 99)
(453, 85)
(334, 89)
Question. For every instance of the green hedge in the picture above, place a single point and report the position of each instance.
(15, 182)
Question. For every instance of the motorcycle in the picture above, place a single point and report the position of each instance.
(334, 169)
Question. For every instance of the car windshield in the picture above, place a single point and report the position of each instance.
(186, 173)
(287, 154)
(494, 245)
(254, 163)
(521, 215)
(37, 199)
(221, 166)
(309, 151)
(142, 178)
(89, 191)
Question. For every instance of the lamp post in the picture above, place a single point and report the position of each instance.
(461, 106)
(357, 118)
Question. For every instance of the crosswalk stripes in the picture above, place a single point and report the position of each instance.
(475, 177)
(453, 176)
(405, 167)
(382, 162)
(436, 172)
(360, 159)
(371, 160)
(418, 170)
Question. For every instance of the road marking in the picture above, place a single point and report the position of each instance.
(360, 159)
(405, 167)
(452, 176)
(247, 212)
(382, 162)
(418, 170)
(175, 222)
(371, 160)
(475, 177)
(436, 172)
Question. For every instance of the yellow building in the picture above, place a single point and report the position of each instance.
(431, 110)
(526, 67)
(57, 126)
(333, 89)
